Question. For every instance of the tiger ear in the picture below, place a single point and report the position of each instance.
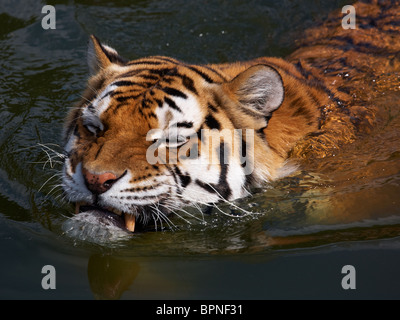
(101, 56)
(258, 90)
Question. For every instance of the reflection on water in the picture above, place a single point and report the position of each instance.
(109, 277)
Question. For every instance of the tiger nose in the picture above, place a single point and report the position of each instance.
(99, 183)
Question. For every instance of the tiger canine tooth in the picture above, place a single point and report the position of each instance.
(130, 221)
(78, 206)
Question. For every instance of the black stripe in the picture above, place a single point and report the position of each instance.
(184, 124)
(206, 186)
(300, 68)
(138, 85)
(76, 131)
(215, 71)
(349, 42)
(151, 114)
(176, 62)
(174, 92)
(243, 153)
(71, 129)
(201, 73)
(159, 102)
(212, 108)
(143, 197)
(184, 179)
(260, 132)
(144, 104)
(107, 94)
(217, 103)
(98, 151)
(362, 47)
(141, 112)
(223, 186)
(144, 62)
(188, 84)
(316, 83)
(123, 99)
(172, 172)
(148, 77)
(120, 105)
(344, 67)
(212, 123)
(302, 111)
(168, 80)
(200, 136)
(172, 104)
(346, 89)
(133, 72)
(118, 92)
(163, 72)
(123, 83)
(297, 102)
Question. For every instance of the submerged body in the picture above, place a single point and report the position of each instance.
(305, 106)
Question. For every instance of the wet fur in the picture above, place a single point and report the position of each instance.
(328, 102)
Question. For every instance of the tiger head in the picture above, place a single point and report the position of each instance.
(154, 135)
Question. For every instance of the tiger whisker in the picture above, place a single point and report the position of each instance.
(164, 217)
(183, 210)
(53, 189)
(42, 145)
(195, 203)
(84, 98)
(187, 221)
(161, 216)
(54, 175)
(157, 216)
(60, 155)
(246, 213)
(49, 160)
(232, 204)
(44, 162)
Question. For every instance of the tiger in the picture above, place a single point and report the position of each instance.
(297, 108)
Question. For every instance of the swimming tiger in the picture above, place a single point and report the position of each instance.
(157, 134)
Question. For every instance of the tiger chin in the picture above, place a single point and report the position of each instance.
(154, 135)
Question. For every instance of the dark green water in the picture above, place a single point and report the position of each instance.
(308, 227)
